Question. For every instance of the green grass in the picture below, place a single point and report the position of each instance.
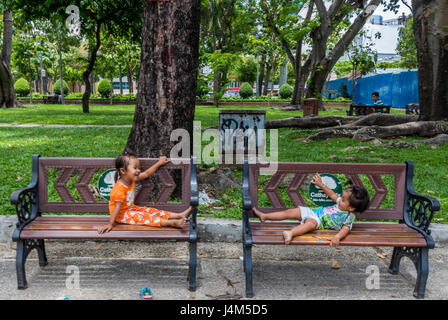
(124, 114)
(17, 145)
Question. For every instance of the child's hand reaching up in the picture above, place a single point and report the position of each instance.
(163, 160)
(317, 180)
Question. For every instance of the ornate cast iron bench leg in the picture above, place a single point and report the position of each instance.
(192, 266)
(24, 247)
(419, 256)
(248, 270)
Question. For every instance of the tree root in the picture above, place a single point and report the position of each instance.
(417, 128)
(309, 122)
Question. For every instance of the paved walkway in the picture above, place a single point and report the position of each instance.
(119, 269)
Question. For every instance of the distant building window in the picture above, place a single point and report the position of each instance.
(117, 86)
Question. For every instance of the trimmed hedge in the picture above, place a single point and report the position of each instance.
(246, 90)
(21, 87)
(285, 91)
(105, 88)
(57, 87)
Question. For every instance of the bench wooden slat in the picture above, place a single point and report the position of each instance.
(363, 227)
(362, 234)
(119, 235)
(86, 228)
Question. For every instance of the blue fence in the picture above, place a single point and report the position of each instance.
(395, 89)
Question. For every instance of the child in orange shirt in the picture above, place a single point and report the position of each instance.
(121, 204)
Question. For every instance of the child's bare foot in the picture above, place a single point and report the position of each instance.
(259, 214)
(288, 237)
(185, 214)
(176, 223)
(179, 223)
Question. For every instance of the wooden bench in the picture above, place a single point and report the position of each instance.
(51, 99)
(49, 192)
(412, 212)
(362, 110)
(413, 108)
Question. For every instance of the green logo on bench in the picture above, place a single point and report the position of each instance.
(318, 196)
(105, 183)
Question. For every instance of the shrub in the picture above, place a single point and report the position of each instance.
(21, 87)
(285, 91)
(57, 87)
(202, 88)
(129, 97)
(75, 96)
(246, 90)
(37, 95)
(124, 97)
(104, 88)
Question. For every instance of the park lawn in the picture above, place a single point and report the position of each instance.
(70, 114)
(17, 145)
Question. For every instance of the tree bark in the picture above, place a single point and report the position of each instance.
(7, 93)
(7, 38)
(418, 128)
(381, 126)
(383, 119)
(87, 73)
(266, 78)
(260, 76)
(431, 38)
(309, 122)
(168, 73)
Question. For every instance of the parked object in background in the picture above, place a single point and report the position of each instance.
(413, 108)
(362, 110)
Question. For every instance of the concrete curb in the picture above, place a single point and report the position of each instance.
(216, 230)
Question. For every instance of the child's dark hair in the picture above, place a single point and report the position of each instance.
(376, 94)
(359, 197)
(122, 161)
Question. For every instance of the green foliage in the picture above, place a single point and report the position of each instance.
(105, 88)
(202, 88)
(342, 68)
(246, 70)
(22, 87)
(74, 96)
(124, 97)
(406, 47)
(57, 87)
(246, 90)
(389, 64)
(285, 91)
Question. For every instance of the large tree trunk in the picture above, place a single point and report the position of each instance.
(167, 84)
(7, 93)
(431, 38)
(86, 74)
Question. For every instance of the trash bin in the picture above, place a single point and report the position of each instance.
(311, 107)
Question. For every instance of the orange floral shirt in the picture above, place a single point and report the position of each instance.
(123, 194)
